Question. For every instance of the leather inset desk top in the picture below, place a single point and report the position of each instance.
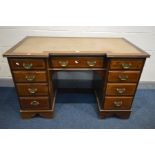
(43, 46)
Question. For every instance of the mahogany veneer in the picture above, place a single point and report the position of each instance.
(30, 76)
(34, 89)
(34, 103)
(76, 62)
(26, 63)
(120, 89)
(123, 76)
(117, 66)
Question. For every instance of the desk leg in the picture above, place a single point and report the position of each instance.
(119, 114)
(30, 114)
(124, 114)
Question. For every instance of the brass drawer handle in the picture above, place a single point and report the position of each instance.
(35, 103)
(27, 65)
(91, 63)
(126, 65)
(30, 77)
(63, 63)
(123, 77)
(32, 90)
(120, 90)
(118, 103)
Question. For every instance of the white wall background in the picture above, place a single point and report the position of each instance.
(144, 37)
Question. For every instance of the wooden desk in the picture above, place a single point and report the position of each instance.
(117, 63)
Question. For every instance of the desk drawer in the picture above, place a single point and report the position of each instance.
(76, 62)
(126, 64)
(34, 103)
(40, 89)
(30, 76)
(120, 89)
(27, 64)
(117, 103)
(123, 76)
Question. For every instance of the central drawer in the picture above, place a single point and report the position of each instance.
(40, 89)
(76, 62)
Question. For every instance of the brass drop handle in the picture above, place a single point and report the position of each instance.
(118, 103)
(63, 63)
(126, 65)
(91, 63)
(34, 103)
(123, 77)
(30, 77)
(120, 90)
(27, 65)
(32, 90)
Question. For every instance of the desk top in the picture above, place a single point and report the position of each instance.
(34, 46)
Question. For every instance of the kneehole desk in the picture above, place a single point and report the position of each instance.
(116, 62)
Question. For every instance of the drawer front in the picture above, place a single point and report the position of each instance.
(34, 103)
(120, 89)
(32, 89)
(75, 62)
(126, 64)
(123, 76)
(27, 64)
(30, 76)
(117, 103)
